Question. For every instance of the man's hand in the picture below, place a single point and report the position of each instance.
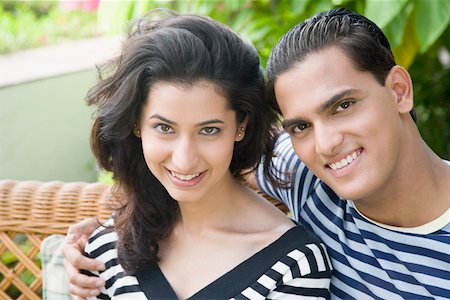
(81, 286)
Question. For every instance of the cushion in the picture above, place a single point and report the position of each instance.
(55, 283)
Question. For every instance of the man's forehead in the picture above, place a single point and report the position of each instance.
(320, 76)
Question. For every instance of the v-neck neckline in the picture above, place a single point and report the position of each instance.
(155, 285)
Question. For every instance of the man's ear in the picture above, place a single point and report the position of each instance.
(399, 81)
(240, 133)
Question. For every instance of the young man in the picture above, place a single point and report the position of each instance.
(366, 183)
(381, 198)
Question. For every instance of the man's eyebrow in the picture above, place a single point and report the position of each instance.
(334, 99)
(156, 116)
(322, 108)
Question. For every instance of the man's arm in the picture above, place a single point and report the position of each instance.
(81, 286)
(296, 178)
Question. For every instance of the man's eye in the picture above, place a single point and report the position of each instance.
(209, 130)
(163, 128)
(344, 105)
(299, 128)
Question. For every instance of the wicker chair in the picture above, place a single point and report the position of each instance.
(29, 212)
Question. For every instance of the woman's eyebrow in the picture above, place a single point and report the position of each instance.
(213, 121)
(157, 116)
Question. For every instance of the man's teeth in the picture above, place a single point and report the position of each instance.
(184, 177)
(343, 162)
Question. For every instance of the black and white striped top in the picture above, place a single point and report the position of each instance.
(295, 266)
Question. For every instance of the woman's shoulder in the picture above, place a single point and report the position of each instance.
(300, 245)
(299, 237)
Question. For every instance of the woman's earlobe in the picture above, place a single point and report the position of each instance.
(136, 130)
(240, 134)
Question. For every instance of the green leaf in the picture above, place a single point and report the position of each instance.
(320, 6)
(140, 8)
(382, 12)
(395, 30)
(113, 15)
(242, 22)
(406, 52)
(235, 4)
(432, 18)
(299, 6)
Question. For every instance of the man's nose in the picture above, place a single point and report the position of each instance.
(327, 138)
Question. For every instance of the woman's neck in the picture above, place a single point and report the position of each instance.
(215, 210)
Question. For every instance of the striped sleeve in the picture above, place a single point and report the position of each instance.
(289, 168)
(118, 285)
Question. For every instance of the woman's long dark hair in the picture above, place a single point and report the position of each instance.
(183, 49)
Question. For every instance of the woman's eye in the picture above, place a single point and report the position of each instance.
(209, 130)
(163, 128)
(344, 105)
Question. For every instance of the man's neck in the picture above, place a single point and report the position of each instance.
(417, 193)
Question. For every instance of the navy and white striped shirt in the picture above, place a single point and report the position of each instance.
(370, 260)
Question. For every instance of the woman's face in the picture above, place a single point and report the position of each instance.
(188, 134)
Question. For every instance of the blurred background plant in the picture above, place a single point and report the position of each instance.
(29, 24)
(418, 30)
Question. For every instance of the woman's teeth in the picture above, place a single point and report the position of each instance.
(184, 177)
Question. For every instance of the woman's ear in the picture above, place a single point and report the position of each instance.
(242, 126)
(401, 84)
(136, 130)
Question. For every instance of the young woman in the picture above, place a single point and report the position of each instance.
(180, 117)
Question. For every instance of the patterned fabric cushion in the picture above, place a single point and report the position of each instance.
(55, 285)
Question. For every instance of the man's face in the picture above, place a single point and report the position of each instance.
(344, 125)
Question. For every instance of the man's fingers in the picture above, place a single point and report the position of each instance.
(78, 263)
(85, 227)
(81, 280)
(81, 286)
(81, 293)
(74, 257)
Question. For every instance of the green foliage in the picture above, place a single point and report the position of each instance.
(10, 260)
(414, 25)
(431, 79)
(28, 24)
(105, 177)
(417, 30)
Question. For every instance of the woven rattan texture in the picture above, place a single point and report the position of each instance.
(30, 211)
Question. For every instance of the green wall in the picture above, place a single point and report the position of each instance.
(44, 129)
